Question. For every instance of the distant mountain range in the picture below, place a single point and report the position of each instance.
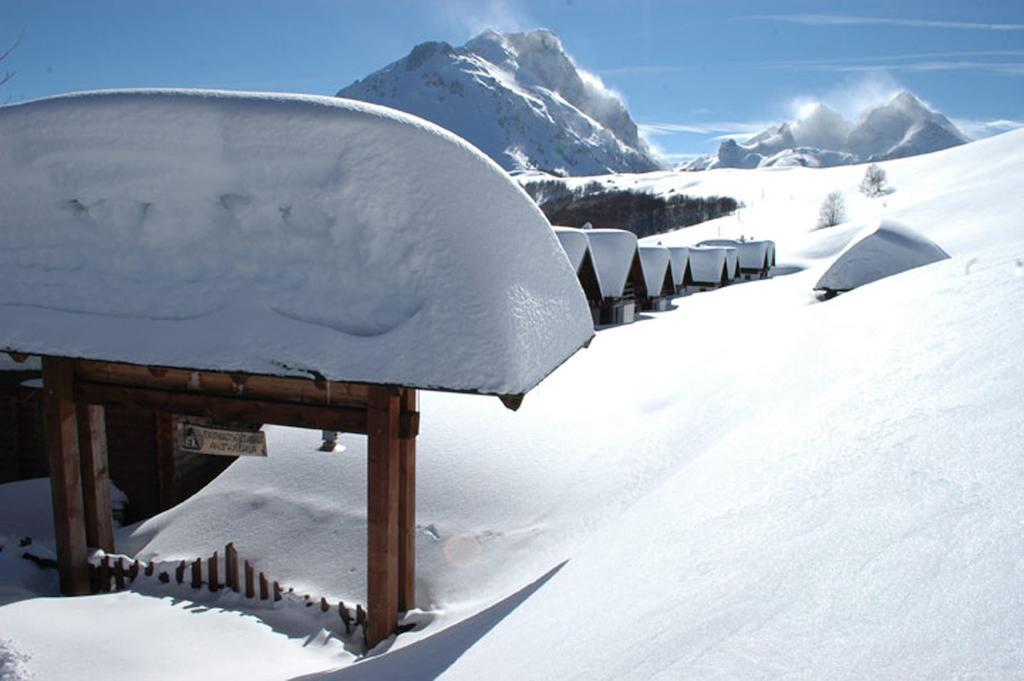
(520, 99)
(902, 127)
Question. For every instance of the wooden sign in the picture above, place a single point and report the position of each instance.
(203, 439)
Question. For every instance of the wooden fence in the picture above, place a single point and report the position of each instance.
(113, 572)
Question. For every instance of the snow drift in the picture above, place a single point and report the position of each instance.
(275, 234)
(878, 252)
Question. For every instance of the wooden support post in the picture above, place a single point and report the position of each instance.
(65, 475)
(92, 446)
(382, 513)
(407, 508)
(231, 567)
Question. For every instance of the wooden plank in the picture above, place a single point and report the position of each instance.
(250, 580)
(407, 506)
(92, 444)
(231, 567)
(212, 563)
(382, 513)
(65, 475)
(278, 388)
(239, 409)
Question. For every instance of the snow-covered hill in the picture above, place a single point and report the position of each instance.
(519, 98)
(821, 137)
(753, 485)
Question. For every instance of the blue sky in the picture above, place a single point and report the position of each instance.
(690, 72)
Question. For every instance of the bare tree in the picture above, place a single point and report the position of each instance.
(832, 211)
(874, 182)
(7, 75)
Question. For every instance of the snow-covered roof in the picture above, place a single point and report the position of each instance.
(574, 242)
(678, 256)
(654, 261)
(877, 252)
(613, 251)
(275, 234)
(706, 263)
(752, 254)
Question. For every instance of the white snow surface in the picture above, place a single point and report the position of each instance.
(613, 251)
(275, 234)
(655, 261)
(836, 496)
(879, 251)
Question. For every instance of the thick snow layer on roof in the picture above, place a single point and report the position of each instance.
(679, 256)
(275, 234)
(654, 260)
(613, 251)
(877, 252)
(752, 254)
(706, 263)
(574, 242)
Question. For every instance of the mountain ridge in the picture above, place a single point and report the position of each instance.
(519, 98)
(904, 126)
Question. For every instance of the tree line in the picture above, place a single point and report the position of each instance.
(642, 213)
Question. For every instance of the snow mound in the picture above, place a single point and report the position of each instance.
(275, 234)
(613, 251)
(878, 252)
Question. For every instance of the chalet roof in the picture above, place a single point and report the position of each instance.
(706, 263)
(751, 253)
(575, 243)
(654, 260)
(275, 234)
(879, 251)
(613, 251)
(679, 256)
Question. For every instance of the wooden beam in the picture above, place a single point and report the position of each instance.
(382, 513)
(407, 506)
(92, 446)
(315, 391)
(65, 475)
(240, 409)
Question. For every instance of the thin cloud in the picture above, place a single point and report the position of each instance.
(978, 129)
(848, 20)
(997, 68)
(644, 70)
(729, 128)
(473, 17)
(797, 63)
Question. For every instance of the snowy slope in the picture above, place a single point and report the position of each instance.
(318, 230)
(822, 138)
(519, 98)
(782, 489)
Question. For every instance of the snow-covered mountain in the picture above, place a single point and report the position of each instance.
(823, 138)
(519, 98)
